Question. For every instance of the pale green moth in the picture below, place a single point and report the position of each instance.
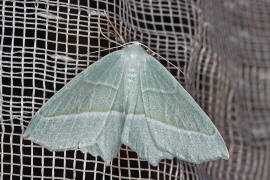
(128, 98)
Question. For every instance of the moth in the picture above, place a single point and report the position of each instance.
(127, 97)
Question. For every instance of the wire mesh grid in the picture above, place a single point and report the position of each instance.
(44, 44)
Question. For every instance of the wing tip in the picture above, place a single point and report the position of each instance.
(226, 155)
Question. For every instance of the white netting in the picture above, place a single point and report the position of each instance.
(223, 48)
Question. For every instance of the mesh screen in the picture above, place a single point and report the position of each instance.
(221, 46)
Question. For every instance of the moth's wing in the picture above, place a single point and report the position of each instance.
(137, 135)
(86, 113)
(175, 121)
